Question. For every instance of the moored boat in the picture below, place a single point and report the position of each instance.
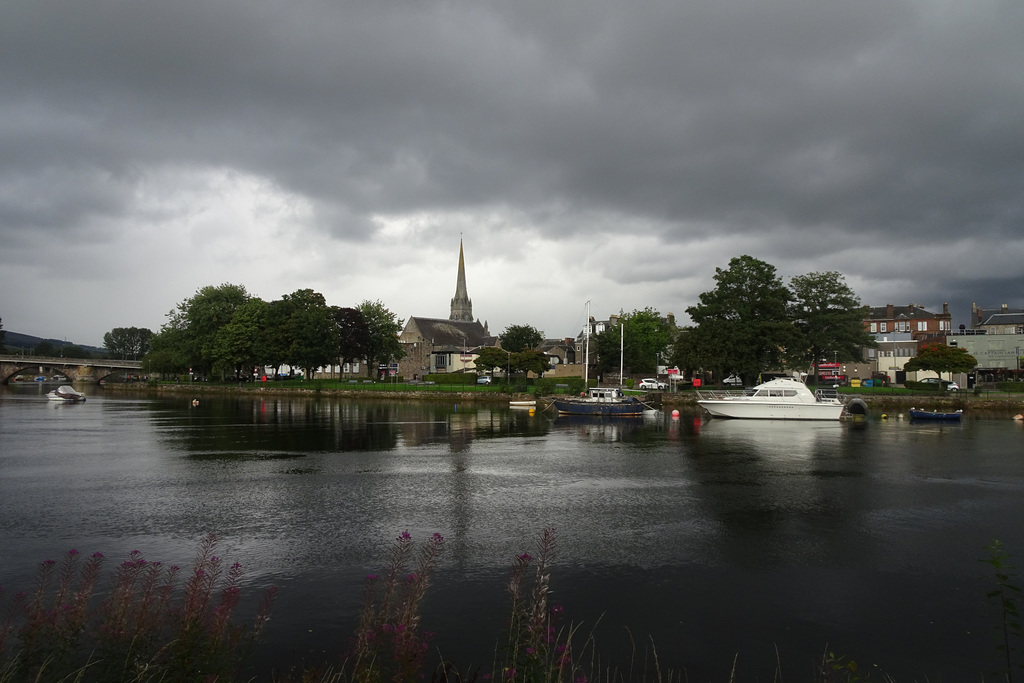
(601, 401)
(778, 399)
(67, 394)
(916, 414)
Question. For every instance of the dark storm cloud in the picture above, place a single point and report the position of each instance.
(813, 135)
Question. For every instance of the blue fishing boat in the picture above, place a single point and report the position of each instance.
(916, 414)
(601, 401)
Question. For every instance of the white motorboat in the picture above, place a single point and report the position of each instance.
(777, 399)
(67, 394)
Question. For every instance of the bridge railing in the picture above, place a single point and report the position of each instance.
(59, 360)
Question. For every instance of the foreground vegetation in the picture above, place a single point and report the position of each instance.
(145, 627)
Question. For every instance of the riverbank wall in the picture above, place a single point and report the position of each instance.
(990, 404)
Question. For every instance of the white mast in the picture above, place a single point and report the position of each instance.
(586, 350)
(622, 343)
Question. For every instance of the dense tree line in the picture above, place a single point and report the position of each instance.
(751, 322)
(225, 331)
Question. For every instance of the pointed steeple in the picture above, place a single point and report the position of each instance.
(462, 306)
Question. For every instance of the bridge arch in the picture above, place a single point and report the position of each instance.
(75, 369)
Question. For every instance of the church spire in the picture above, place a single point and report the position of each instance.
(462, 306)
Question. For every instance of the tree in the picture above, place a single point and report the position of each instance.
(353, 334)
(199, 319)
(237, 344)
(3, 337)
(490, 357)
(382, 344)
(643, 336)
(127, 343)
(530, 361)
(46, 348)
(517, 338)
(743, 324)
(311, 331)
(829, 318)
(940, 358)
(167, 352)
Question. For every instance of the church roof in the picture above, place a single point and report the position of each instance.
(441, 332)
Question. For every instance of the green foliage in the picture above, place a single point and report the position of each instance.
(167, 352)
(311, 330)
(389, 644)
(197, 320)
(128, 343)
(490, 357)
(941, 358)
(1006, 596)
(382, 344)
(530, 361)
(353, 334)
(643, 337)
(829, 318)
(237, 344)
(139, 631)
(45, 348)
(743, 324)
(517, 338)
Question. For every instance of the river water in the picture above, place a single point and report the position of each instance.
(715, 541)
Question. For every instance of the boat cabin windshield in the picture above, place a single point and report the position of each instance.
(775, 393)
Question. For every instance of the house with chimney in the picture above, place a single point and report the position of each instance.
(899, 331)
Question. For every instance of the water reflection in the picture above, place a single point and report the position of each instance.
(294, 427)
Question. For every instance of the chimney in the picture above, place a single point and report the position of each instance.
(889, 313)
(1004, 308)
(945, 309)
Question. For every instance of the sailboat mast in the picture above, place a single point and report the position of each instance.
(586, 350)
(622, 345)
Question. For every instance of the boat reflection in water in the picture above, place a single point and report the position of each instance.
(596, 428)
(773, 438)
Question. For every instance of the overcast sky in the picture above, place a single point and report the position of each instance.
(616, 152)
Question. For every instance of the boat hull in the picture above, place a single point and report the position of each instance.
(750, 410)
(584, 407)
(928, 415)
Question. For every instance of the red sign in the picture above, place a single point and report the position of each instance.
(830, 365)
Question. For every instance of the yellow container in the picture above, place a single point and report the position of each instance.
(854, 382)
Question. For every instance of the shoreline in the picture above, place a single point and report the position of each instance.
(989, 403)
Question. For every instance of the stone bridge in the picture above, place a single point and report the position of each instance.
(75, 369)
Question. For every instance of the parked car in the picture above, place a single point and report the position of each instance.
(654, 384)
(486, 379)
(733, 380)
(950, 386)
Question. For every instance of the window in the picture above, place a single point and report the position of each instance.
(922, 325)
(441, 360)
(881, 327)
(903, 326)
(874, 327)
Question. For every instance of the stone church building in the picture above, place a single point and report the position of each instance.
(442, 345)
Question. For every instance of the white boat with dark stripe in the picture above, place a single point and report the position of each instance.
(777, 399)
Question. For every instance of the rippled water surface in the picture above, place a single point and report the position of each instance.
(766, 540)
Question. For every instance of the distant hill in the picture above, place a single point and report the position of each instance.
(17, 342)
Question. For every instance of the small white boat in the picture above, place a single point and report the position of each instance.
(777, 399)
(522, 404)
(67, 394)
